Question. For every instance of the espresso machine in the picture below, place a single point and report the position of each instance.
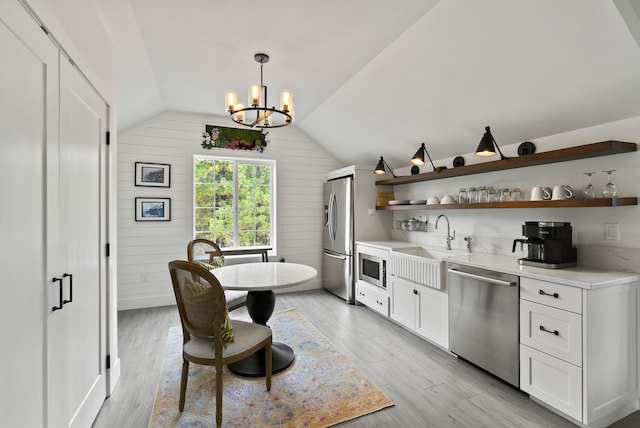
(548, 245)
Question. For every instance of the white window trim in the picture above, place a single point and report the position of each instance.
(274, 211)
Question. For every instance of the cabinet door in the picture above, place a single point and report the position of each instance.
(551, 330)
(403, 302)
(28, 132)
(76, 333)
(433, 315)
(552, 381)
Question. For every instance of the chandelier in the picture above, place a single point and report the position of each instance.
(257, 114)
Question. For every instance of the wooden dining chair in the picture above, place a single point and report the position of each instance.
(207, 253)
(205, 323)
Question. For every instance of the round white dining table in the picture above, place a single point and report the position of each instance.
(260, 279)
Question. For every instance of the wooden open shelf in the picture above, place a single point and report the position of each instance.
(567, 203)
(603, 148)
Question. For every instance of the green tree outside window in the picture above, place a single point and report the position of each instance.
(233, 201)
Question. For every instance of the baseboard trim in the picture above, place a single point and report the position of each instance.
(146, 302)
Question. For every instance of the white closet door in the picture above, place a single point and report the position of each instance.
(28, 125)
(77, 332)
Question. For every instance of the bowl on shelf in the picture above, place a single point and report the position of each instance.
(448, 199)
(433, 200)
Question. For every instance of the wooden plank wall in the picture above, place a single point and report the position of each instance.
(145, 248)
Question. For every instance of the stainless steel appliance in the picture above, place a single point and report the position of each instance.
(549, 245)
(484, 320)
(338, 244)
(372, 269)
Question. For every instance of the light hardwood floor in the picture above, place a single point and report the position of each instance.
(429, 387)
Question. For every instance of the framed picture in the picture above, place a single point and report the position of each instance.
(153, 209)
(153, 174)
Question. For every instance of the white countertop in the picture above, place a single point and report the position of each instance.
(580, 276)
(388, 245)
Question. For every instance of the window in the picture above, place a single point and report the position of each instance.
(234, 202)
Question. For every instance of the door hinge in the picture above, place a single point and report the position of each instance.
(108, 137)
(108, 362)
(107, 250)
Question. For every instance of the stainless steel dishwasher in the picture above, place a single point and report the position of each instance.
(483, 320)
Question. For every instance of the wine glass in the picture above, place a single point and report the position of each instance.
(589, 191)
(609, 190)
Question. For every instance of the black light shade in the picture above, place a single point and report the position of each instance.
(380, 168)
(488, 145)
(418, 158)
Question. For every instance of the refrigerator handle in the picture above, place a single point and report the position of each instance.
(335, 257)
(329, 216)
(334, 217)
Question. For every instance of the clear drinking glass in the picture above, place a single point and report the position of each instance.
(515, 194)
(472, 195)
(492, 196)
(482, 194)
(504, 195)
(590, 191)
(462, 196)
(609, 190)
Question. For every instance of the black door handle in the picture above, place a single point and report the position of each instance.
(544, 293)
(55, 308)
(70, 276)
(556, 332)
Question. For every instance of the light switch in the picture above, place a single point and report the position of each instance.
(611, 232)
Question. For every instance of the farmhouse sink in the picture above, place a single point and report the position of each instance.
(421, 265)
(429, 252)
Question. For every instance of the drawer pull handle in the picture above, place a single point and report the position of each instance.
(554, 295)
(556, 332)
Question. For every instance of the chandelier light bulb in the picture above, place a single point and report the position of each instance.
(231, 99)
(254, 95)
(286, 101)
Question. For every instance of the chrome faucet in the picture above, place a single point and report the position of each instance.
(449, 237)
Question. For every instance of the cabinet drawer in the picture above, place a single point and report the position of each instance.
(552, 381)
(553, 331)
(552, 294)
(374, 297)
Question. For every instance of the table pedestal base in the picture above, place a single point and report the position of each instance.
(253, 366)
(260, 306)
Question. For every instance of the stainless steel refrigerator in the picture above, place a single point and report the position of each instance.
(338, 242)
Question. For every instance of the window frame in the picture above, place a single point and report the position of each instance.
(236, 229)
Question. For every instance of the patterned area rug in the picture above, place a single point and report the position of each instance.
(321, 388)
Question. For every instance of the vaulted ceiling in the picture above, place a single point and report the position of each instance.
(374, 77)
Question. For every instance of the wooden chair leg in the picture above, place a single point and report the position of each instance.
(218, 396)
(183, 384)
(268, 364)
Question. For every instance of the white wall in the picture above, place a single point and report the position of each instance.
(145, 248)
(493, 230)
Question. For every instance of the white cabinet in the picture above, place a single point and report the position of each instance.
(53, 169)
(432, 317)
(421, 309)
(578, 349)
(374, 297)
(552, 381)
(404, 304)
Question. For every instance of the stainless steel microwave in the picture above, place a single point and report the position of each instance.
(372, 269)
